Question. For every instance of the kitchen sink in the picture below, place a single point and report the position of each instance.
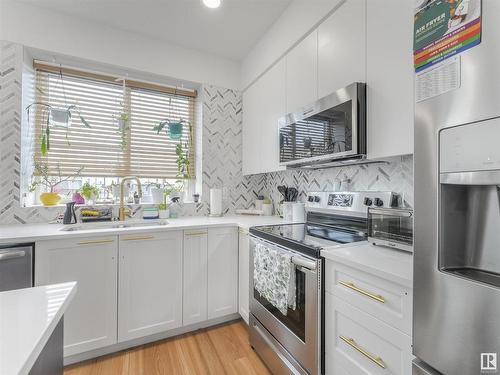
(114, 225)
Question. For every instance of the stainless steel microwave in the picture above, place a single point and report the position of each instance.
(331, 129)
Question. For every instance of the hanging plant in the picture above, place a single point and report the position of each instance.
(123, 120)
(58, 117)
(173, 128)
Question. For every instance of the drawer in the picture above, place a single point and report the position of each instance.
(384, 299)
(357, 343)
(149, 236)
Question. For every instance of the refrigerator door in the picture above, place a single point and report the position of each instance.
(420, 368)
(456, 320)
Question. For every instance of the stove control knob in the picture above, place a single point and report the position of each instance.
(368, 201)
(316, 199)
(378, 202)
(310, 198)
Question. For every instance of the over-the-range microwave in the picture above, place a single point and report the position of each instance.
(330, 130)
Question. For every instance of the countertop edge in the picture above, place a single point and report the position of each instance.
(40, 344)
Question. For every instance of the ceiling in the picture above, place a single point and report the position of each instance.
(229, 31)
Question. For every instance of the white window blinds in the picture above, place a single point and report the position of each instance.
(102, 150)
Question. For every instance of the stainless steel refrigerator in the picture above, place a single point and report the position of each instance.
(456, 329)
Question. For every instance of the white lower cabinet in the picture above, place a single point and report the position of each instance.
(222, 272)
(195, 276)
(243, 274)
(356, 343)
(150, 284)
(90, 321)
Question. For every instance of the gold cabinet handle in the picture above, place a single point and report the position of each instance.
(94, 242)
(195, 233)
(376, 297)
(349, 341)
(138, 238)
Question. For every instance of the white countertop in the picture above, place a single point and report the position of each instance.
(35, 232)
(385, 262)
(27, 319)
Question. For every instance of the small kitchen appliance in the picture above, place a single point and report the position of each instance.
(391, 227)
(293, 342)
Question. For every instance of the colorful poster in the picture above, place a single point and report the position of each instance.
(444, 28)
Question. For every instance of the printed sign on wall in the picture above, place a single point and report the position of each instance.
(444, 28)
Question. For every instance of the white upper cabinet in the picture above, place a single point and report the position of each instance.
(302, 74)
(263, 105)
(251, 162)
(150, 284)
(272, 107)
(342, 48)
(390, 92)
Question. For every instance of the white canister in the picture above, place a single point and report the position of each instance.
(258, 204)
(299, 212)
(267, 209)
(287, 208)
(215, 202)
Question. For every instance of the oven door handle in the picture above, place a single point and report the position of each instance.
(302, 262)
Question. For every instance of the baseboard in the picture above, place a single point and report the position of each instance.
(147, 339)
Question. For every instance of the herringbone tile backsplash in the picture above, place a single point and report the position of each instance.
(219, 163)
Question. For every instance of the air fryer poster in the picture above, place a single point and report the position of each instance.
(444, 28)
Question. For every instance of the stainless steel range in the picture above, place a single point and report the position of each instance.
(293, 342)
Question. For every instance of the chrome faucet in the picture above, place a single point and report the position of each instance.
(122, 212)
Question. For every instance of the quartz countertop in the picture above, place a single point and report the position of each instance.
(382, 261)
(35, 232)
(27, 319)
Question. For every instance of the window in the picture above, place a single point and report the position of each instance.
(102, 150)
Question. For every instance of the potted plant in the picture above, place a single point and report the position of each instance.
(61, 117)
(89, 192)
(50, 197)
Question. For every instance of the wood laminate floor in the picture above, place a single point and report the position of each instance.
(220, 350)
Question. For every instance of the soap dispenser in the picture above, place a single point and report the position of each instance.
(70, 214)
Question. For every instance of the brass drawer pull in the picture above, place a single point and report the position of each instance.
(138, 238)
(94, 242)
(379, 361)
(376, 297)
(195, 234)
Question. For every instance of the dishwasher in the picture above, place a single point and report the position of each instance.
(16, 266)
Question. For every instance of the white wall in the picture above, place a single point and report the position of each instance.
(44, 29)
(297, 21)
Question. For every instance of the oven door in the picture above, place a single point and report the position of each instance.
(298, 332)
(332, 128)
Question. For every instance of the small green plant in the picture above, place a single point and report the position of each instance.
(89, 191)
(46, 179)
(182, 150)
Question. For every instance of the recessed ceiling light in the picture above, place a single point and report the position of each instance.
(212, 3)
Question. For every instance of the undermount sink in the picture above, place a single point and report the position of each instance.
(114, 225)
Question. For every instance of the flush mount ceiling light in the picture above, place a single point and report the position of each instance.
(212, 3)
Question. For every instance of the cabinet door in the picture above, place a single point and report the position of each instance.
(301, 74)
(390, 93)
(195, 277)
(90, 321)
(342, 48)
(251, 159)
(222, 272)
(243, 274)
(272, 106)
(150, 293)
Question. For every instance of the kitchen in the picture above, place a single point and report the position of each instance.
(232, 186)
